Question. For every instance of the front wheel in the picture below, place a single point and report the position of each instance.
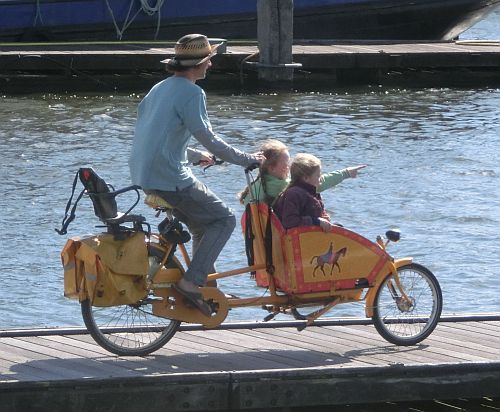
(128, 330)
(408, 320)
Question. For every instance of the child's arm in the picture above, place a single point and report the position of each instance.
(329, 180)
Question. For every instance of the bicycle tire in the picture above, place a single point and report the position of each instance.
(120, 332)
(129, 330)
(408, 325)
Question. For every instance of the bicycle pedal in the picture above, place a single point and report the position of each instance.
(214, 306)
(190, 305)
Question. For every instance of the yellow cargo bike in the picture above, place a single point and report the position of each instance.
(124, 276)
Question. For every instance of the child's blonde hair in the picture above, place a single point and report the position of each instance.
(272, 149)
(303, 165)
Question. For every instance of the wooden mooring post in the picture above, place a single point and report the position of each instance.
(275, 38)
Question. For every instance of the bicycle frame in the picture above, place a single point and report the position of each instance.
(122, 294)
(280, 299)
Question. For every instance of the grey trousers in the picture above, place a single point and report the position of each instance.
(210, 222)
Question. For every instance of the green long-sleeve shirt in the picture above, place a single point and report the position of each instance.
(275, 186)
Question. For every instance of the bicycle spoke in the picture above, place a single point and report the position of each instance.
(403, 322)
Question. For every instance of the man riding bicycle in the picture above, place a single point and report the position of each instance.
(172, 112)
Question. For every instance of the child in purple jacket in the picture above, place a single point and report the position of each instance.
(300, 204)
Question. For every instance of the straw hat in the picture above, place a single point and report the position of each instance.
(191, 50)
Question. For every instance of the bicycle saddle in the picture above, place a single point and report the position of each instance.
(157, 202)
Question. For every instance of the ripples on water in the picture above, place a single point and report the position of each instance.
(433, 172)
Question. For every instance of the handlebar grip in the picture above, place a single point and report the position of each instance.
(216, 162)
(253, 166)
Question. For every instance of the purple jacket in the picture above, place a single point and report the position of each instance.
(300, 205)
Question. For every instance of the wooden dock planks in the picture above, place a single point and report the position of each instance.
(238, 367)
(67, 357)
(129, 67)
(129, 57)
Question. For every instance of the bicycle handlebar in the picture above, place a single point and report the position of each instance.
(215, 160)
(253, 166)
(218, 162)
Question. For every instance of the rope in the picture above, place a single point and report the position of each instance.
(151, 10)
(145, 7)
(119, 32)
(242, 64)
(38, 15)
(66, 66)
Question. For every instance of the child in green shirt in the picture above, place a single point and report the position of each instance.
(274, 174)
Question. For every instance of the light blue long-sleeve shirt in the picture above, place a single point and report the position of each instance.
(172, 112)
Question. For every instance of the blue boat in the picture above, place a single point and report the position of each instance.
(127, 20)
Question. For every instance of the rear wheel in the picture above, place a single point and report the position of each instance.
(408, 321)
(130, 330)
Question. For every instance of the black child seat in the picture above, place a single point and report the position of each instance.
(103, 198)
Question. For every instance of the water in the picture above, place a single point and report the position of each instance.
(433, 172)
(489, 28)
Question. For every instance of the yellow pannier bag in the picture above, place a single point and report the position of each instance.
(113, 271)
(74, 287)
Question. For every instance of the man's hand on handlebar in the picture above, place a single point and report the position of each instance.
(259, 157)
(207, 160)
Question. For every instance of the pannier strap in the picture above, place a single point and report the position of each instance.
(103, 200)
(69, 218)
(268, 241)
(249, 236)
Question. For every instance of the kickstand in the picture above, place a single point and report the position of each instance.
(315, 315)
(270, 316)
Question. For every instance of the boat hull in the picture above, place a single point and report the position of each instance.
(84, 20)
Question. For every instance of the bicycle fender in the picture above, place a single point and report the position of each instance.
(370, 295)
(403, 261)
